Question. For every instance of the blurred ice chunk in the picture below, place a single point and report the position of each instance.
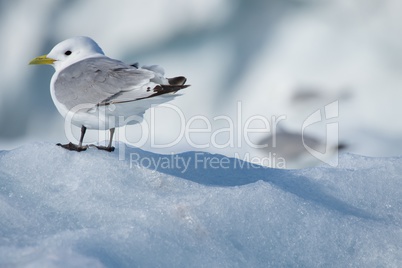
(291, 146)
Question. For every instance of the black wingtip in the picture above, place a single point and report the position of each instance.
(177, 81)
(158, 90)
(135, 65)
(170, 88)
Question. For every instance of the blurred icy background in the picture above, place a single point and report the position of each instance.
(277, 57)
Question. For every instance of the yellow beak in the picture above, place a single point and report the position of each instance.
(42, 60)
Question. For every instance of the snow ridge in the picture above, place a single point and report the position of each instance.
(67, 209)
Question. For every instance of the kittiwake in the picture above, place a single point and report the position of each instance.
(93, 91)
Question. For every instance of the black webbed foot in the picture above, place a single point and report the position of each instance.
(73, 147)
(105, 148)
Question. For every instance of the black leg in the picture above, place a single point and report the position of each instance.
(83, 130)
(111, 137)
(73, 147)
(109, 148)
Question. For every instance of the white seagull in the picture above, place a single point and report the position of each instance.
(94, 91)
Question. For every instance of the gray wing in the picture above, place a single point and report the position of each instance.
(98, 80)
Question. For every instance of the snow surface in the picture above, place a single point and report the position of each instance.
(93, 209)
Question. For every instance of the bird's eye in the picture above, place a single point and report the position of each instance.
(67, 53)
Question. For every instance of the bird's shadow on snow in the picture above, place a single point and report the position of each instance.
(221, 171)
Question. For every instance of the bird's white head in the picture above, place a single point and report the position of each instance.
(70, 51)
